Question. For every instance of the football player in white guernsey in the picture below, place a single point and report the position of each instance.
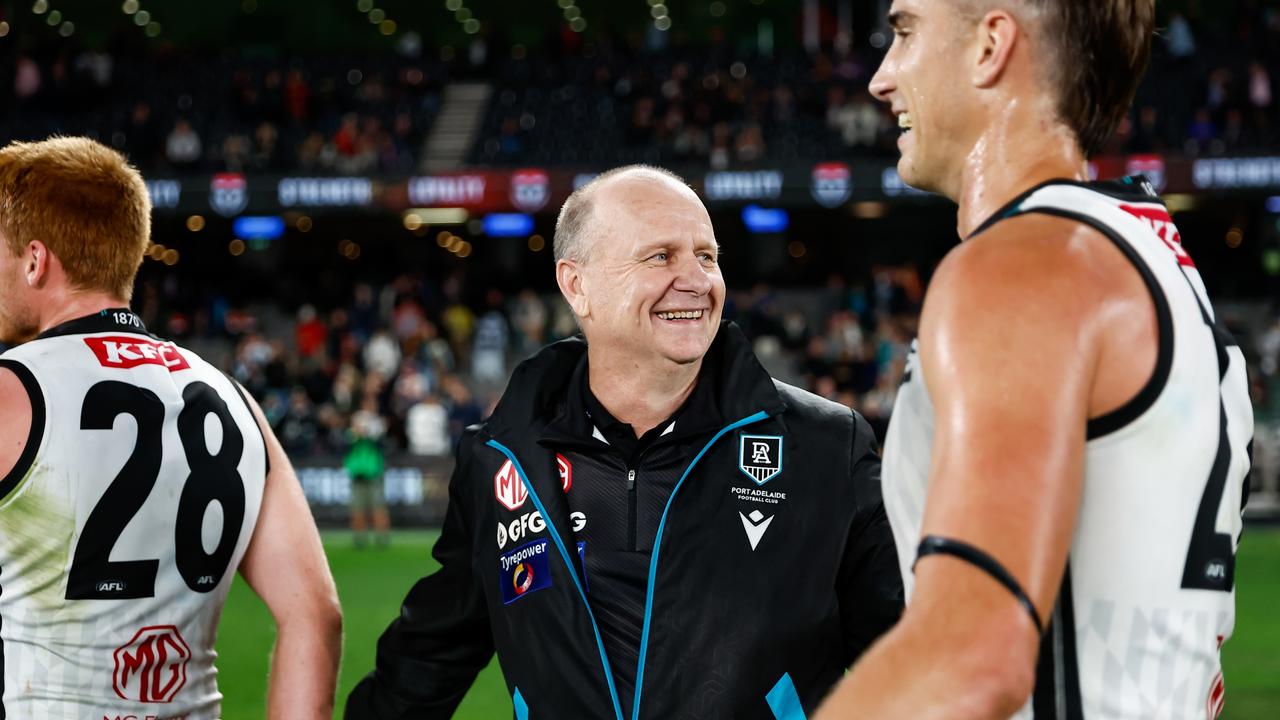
(135, 479)
(1065, 465)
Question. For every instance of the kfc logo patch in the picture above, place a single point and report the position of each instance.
(831, 184)
(124, 352)
(530, 189)
(152, 667)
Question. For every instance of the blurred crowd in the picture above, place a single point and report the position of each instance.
(191, 114)
(1211, 90)
(412, 363)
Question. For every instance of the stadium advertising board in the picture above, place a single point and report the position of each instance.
(829, 184)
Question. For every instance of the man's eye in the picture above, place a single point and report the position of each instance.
(660, 257)
(708, 257)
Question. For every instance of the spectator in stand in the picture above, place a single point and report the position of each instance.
(463, 409)
(489, 347)
(298, 429)
(183, 148)
(382, 354)
(310, 334)
(427, 428)
(365, 464)
(529, 317)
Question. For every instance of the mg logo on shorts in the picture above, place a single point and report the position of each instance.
(508, 488)
(760, 457)
(152, 667)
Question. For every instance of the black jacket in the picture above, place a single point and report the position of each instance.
(748, 614)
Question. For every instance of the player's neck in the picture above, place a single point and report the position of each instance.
(74, 305)
(1008, 161)
(639, 395)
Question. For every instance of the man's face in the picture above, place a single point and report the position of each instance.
(16, 325)
(923, 79)
(651, 277)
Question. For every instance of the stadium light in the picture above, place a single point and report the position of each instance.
(440, 216)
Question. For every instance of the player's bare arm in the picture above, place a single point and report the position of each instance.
(1015, 341)
(286, 566)
(15, 420)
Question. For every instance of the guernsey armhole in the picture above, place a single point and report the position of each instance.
(1126, 414)
(13, 479)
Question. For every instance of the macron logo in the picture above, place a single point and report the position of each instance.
(125, 352)
(755, 524)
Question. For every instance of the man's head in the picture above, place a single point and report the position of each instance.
(637, 260)
(75, 217)
(959, 68)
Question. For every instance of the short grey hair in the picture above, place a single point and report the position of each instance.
(573, 226)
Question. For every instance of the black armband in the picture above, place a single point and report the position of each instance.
(934, 545)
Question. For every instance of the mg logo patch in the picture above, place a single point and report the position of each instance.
(508, 488)
(152, 667)
(760, 457)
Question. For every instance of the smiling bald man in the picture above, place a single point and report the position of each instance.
(648, 526)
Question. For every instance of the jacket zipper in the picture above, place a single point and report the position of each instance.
(631, 509)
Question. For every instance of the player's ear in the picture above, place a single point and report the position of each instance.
(997, 37)
(569, 278)
(36, 259)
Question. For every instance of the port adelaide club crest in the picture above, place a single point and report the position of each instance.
(759, 458)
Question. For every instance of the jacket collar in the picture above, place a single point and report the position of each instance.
(537, 398)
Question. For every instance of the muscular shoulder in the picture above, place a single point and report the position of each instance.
(1032, 276)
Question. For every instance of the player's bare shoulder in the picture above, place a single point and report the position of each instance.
(1037, 276)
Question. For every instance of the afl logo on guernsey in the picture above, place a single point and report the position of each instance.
(124, 352)
(152, 667)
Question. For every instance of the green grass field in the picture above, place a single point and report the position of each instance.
(373, 582)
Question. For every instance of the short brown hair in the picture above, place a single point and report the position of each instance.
(84, 202)
(1100, 50)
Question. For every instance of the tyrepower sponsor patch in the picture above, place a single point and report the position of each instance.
(124, 352)
(524, 570)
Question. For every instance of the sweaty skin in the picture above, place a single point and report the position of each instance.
(1028, 330)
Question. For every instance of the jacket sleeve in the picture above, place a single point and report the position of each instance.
(870, 581)
(430, 655)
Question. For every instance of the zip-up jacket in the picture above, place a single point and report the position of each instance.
(771, 570)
